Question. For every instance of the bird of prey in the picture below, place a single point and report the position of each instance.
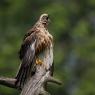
(35, 41)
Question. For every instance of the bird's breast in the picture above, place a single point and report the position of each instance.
(44, 40)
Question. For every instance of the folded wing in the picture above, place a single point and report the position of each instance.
(27, 56)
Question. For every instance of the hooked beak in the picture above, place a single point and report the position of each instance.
(49, 20)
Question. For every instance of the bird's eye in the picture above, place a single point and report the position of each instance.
(47, 18)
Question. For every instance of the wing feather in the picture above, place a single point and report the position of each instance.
(27, 56)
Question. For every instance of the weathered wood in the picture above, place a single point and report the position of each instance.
(36, 84)
(10, 82)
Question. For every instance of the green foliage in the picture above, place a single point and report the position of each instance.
(73, 27)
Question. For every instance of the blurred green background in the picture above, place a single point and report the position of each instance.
(73, 27)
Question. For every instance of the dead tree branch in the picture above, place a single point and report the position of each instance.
(9, 82)
(36, 84)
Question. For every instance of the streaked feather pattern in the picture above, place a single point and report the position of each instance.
(35, 41)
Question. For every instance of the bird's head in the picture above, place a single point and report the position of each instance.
(44, 19)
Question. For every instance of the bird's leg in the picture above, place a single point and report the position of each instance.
(39, 61)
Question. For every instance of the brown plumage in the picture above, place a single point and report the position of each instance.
(35, 41)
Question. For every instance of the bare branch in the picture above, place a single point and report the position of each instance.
(10, 82)
(36, 85)
(53, 80)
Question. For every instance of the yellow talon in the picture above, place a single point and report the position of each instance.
(38, 61)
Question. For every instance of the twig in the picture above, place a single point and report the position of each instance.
(53, 80)
(9, 82)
